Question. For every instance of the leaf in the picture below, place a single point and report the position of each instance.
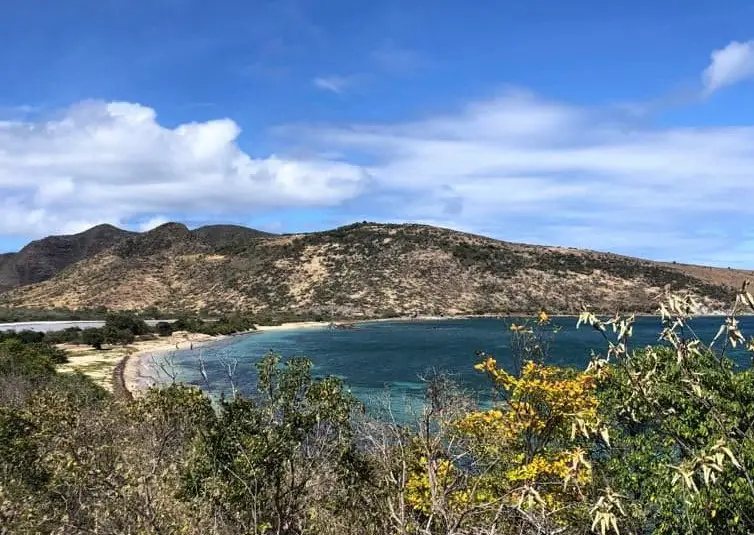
(605, 434)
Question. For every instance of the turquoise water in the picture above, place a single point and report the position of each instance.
(392, 356)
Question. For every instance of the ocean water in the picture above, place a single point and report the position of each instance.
(389, 358)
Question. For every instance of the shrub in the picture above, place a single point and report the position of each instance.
(114, 335)
(264, 459)
(19, 359)
(164, 328)
(122, 321)
(93, 337)
(681, 417)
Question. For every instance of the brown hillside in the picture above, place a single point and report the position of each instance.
(366, 269)
(43, 259)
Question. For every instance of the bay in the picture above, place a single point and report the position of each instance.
(379, 357)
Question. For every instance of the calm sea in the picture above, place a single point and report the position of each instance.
(392, 356)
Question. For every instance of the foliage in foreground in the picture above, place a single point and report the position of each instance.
(647, 440)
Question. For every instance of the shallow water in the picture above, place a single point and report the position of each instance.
(392, 356)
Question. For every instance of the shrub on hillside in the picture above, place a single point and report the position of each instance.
(20, 359)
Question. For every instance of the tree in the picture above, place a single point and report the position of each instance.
(268, 460)
(93, 337)
(164, 328)
(123, 321)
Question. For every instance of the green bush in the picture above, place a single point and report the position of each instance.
(17, 358)
(69, 335)
(123, 321)
(272, 449)
(93, 337)
(117, 336)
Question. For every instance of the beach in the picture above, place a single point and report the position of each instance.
(138, 369)
(100, 365)
(138, 360)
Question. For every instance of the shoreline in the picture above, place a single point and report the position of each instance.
(129, 374)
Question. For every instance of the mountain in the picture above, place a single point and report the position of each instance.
(364, 269)
(43, 259)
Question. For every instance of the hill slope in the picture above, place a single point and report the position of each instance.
(227, 235)
(43, 259)
(365, 269)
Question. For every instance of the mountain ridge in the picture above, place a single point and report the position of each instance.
(44, 258)
(363, 270)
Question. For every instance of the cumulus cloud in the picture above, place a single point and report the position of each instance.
(517, 166)
(523, 168)
(729, 65)
(114, 162)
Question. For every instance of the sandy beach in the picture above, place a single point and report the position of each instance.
(139, 359)
(100, 365)
(139, 367)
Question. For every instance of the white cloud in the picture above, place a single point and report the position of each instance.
(153, 223)
(335, 84)
(729, 65)
(113, 162)
(526, 169)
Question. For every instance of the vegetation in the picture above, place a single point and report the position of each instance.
(223, 325)
(123, 328)
(360, 270)
(650, 440)
(14, 315)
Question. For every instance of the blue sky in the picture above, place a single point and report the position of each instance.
(618, 126)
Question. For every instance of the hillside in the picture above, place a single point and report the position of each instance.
(227, 235)
(364, 269)
(43, 259)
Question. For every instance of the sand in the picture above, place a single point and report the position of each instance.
(100, 365)
(139, 370)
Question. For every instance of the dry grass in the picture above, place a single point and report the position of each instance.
(371, 270)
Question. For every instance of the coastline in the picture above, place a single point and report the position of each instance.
(292, 326)
(131, 373)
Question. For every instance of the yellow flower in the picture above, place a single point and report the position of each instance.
(543, 317)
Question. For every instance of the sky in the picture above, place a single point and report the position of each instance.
(622, 126)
